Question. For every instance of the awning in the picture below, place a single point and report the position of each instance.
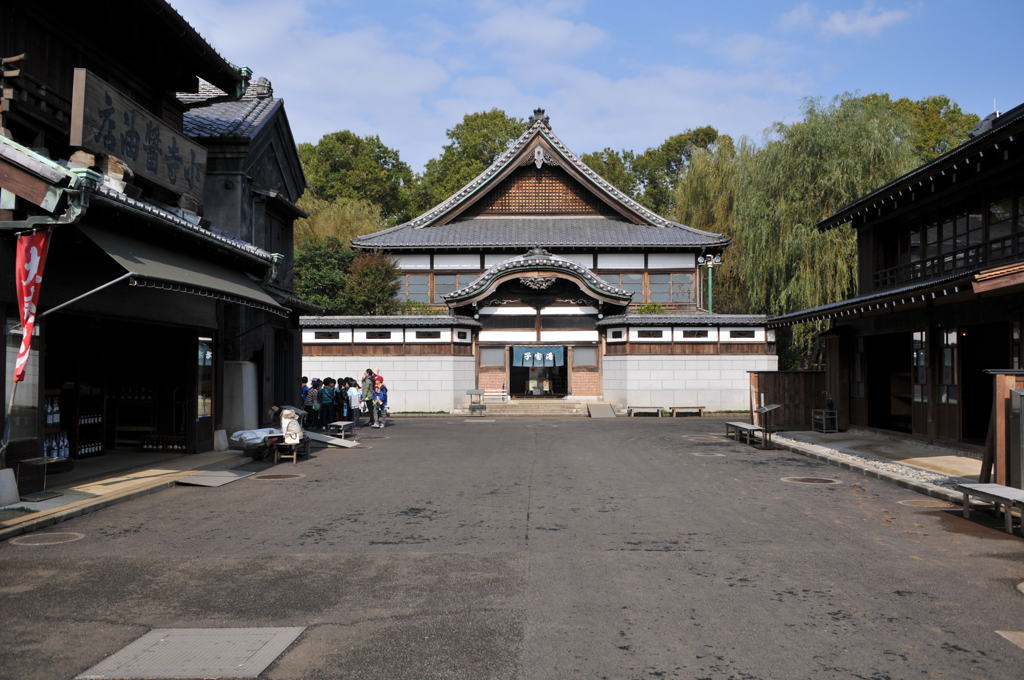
(154, 266)
(538, 355)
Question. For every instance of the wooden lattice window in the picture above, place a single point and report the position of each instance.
(547, 191)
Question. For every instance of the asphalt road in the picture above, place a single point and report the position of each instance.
(540, 549)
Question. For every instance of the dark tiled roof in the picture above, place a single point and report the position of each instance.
(642, 234)
(684, 320)
(881, 298)
(386, 321)
(546, 232)
(214, 236)
(243, 117)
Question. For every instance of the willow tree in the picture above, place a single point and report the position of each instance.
(806, 171)
(705, 198)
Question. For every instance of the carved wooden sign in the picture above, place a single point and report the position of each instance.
(103, 120)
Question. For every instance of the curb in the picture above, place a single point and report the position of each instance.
(914, 485)
(92, 505)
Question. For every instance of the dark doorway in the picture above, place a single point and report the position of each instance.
(120, 385)
(538, 381)
(981, 347)
(889, 391)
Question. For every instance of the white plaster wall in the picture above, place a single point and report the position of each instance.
(414, 383)
(717, 382)
(671, 261)
(620, 261)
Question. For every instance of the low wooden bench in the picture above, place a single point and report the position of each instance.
(699, 410)
(633, 410)
(496, 395)
(1006, 496)
(744, 432)
(340, 428)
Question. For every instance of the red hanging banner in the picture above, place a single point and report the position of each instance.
(29, 260)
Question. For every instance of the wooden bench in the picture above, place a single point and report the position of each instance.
(699, 410)
(1006, 496)
(744, 432)
(633, 410)
(340, 428)
(496, 395)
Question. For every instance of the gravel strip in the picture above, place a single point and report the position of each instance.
(934, 484)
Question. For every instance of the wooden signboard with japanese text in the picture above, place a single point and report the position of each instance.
(105, 121)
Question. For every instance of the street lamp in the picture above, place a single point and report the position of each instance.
(710, 261)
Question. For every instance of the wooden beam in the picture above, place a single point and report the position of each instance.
(1010, 280)
(28, 187)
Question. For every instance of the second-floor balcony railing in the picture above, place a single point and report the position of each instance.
(998, 251)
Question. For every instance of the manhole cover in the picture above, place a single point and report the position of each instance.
(52, 538)
(196, 653)
(708, 455)
(928, 503)
(278, 476)
(810, 480)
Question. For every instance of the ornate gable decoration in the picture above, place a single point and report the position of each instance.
(538, 270)
(520, 154)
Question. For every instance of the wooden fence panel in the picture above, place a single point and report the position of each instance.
(797, 391)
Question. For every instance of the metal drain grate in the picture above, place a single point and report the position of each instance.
(180, 653)
(286, 476)
(810, 480)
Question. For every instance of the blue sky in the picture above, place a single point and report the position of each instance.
(610, 74)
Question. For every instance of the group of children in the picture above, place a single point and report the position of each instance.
(326, 401)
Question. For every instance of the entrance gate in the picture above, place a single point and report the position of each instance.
(538, 371)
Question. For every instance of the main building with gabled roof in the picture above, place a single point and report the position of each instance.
(537, 267)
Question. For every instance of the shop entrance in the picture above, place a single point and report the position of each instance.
(538, 371)
(980, 347)
(117, 386)
(889, 390)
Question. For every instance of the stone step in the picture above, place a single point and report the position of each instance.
(536, 408)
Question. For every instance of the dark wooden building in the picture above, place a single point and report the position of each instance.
(940, 272)
(171, 236)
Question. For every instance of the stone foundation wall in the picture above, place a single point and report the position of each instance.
(414, 383)
(719, 383)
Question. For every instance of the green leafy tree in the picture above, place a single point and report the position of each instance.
(342, 218)
(937, 124)
(321, 268)
(371, 285)
(659, 168)
(649, 308)
(616, 167)
(344, 165)
(474, 144)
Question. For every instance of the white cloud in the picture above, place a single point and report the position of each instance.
(866, 21)
(410, 81)
(801, 16)
(740, 48)
(535, 29)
